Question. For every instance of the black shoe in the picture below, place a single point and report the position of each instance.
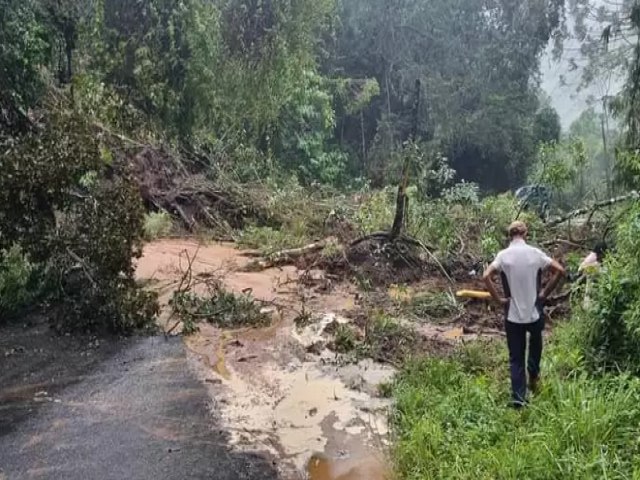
(534, 384)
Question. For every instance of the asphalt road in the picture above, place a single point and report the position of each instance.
(73, 408)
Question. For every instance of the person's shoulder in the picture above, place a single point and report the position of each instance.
(533, 248)
(501, 253)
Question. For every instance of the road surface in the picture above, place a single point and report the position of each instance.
(85, 408)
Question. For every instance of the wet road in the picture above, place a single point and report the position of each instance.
(73, 408)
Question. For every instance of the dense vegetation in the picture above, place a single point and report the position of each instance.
(279, 122)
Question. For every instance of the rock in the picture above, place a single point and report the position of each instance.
(316, 348)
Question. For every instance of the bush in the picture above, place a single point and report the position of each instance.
(612, 325)
(157, 225)
(80, 217)
(375, 213)
(270, 240)
(16, 281)
(219, 307)
(435, 305)
(92, 258)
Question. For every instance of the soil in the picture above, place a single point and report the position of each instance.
(272, 394)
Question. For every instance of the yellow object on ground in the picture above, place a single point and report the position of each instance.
(473, 294)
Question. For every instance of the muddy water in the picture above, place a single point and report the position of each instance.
(317, 418)
(321, 467)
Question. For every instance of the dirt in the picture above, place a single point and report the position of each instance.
(272, 394)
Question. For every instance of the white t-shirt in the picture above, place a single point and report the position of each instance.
(521, 265)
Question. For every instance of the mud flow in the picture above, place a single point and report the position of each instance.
(276, 393)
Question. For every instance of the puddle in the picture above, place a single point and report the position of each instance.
(165, 260)
(321, 467)
(299, 409)
(221, 366)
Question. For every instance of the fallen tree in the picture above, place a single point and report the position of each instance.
(592, 208)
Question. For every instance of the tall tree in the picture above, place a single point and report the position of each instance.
(24, 51)
(478, 64)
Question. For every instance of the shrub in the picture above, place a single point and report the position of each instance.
(376, 212)
(435, 305)
(269, 240)
(16, 279)
(612, 325)
(345, 339)
(157, 225)
(219, 307)
(75, 212)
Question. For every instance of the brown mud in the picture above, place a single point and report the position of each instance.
(279, 389)
(272, 394)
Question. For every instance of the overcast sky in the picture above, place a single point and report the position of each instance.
(565, 98)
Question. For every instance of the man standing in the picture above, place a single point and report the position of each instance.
(520, 267)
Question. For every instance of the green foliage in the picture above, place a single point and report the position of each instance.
(452, 421)
(76, 216)
(219, 307)
(565, 168)
(612, 326)
(269, 240)
(16, 281)
(157, 225)
(435, 305)
(333, 250)
(24, 51)
(628, 168)
(345, 339)
(306, 130)
(553, 168)
(375, 212)
(547, 127)
(476, 62)
(454, 221)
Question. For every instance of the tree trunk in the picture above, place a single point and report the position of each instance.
(605, 150)
(364, 142)
(401, 200)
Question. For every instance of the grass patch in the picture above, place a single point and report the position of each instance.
(380, 338)
(268, 240)
(17, 285)
(435, 306)
(157, 225)
(345, 339)
(219, 307)
(452, 420)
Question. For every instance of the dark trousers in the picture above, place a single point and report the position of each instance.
(517, 342)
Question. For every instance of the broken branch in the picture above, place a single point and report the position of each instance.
(582, 211)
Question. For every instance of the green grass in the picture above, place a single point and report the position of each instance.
(452, 419)
(435, 305)
(268, 240)
(219, 307)
(157, 225)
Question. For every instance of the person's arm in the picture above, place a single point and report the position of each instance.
(558, 273)
(488, 281)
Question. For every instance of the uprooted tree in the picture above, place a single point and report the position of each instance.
(80, 223)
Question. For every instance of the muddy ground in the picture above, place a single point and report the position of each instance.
(254, 403)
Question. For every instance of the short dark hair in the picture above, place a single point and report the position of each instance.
(600, 249)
